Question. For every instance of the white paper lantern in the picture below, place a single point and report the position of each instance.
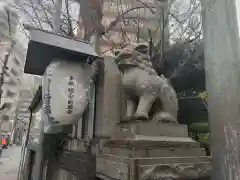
(65, 91)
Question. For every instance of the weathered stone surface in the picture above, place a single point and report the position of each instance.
(148, 96)
(71, 161)
(157, 146)
(156, 152)
(221, 37)
(144, 150)
(113, 169)
(147, 141)
(108, 98)
(175, 171)
(172, 160)
(164, 168)
(138, 129)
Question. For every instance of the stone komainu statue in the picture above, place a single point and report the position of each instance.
(148, 96)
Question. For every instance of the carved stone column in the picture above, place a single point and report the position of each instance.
(222, 64)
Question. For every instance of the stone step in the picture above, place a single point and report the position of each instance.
(159, 147)
(153, 141)
(170, 160)
(155, 152)
(174, 168)
(149, 128)
(156, 160)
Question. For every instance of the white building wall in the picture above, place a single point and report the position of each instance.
(15, 80)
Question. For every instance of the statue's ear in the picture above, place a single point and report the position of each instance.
(117, 52)
(116, 56)
(123, 56)
(142, 48)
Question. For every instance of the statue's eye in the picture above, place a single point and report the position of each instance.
(126, 56)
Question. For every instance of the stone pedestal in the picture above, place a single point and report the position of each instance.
(149, 150)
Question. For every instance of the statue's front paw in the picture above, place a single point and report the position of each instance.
(141, 116)
(164, 118)
(127, 119)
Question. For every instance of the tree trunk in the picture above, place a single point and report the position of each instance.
(222, 63)
(57, 16)
(91, 14)
(162, 13)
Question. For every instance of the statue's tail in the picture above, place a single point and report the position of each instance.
(169, 102)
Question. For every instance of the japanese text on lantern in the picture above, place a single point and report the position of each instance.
(71, 91)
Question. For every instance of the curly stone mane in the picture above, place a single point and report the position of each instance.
(134, 54)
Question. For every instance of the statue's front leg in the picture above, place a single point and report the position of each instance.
(145, 104)
(130, 110)
(164, 117)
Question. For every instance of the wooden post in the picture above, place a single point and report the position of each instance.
(222, 63)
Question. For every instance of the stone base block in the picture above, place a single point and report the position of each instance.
(138, 129)
(150, 150)
(165, 147)
(161, 168)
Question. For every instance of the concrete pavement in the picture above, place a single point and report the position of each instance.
(9, 163)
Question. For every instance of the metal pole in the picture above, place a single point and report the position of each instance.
(222, 63)
(39, 164)
(24, 148)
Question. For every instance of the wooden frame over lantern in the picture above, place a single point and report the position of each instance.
(45, 46)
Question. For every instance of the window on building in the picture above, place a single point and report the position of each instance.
(8, 105)
(14, 72)
(127, 22)
(112, 2)
(5, 117)
(16, 61)
(11, 82)
(7, 72)
(10, 93)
